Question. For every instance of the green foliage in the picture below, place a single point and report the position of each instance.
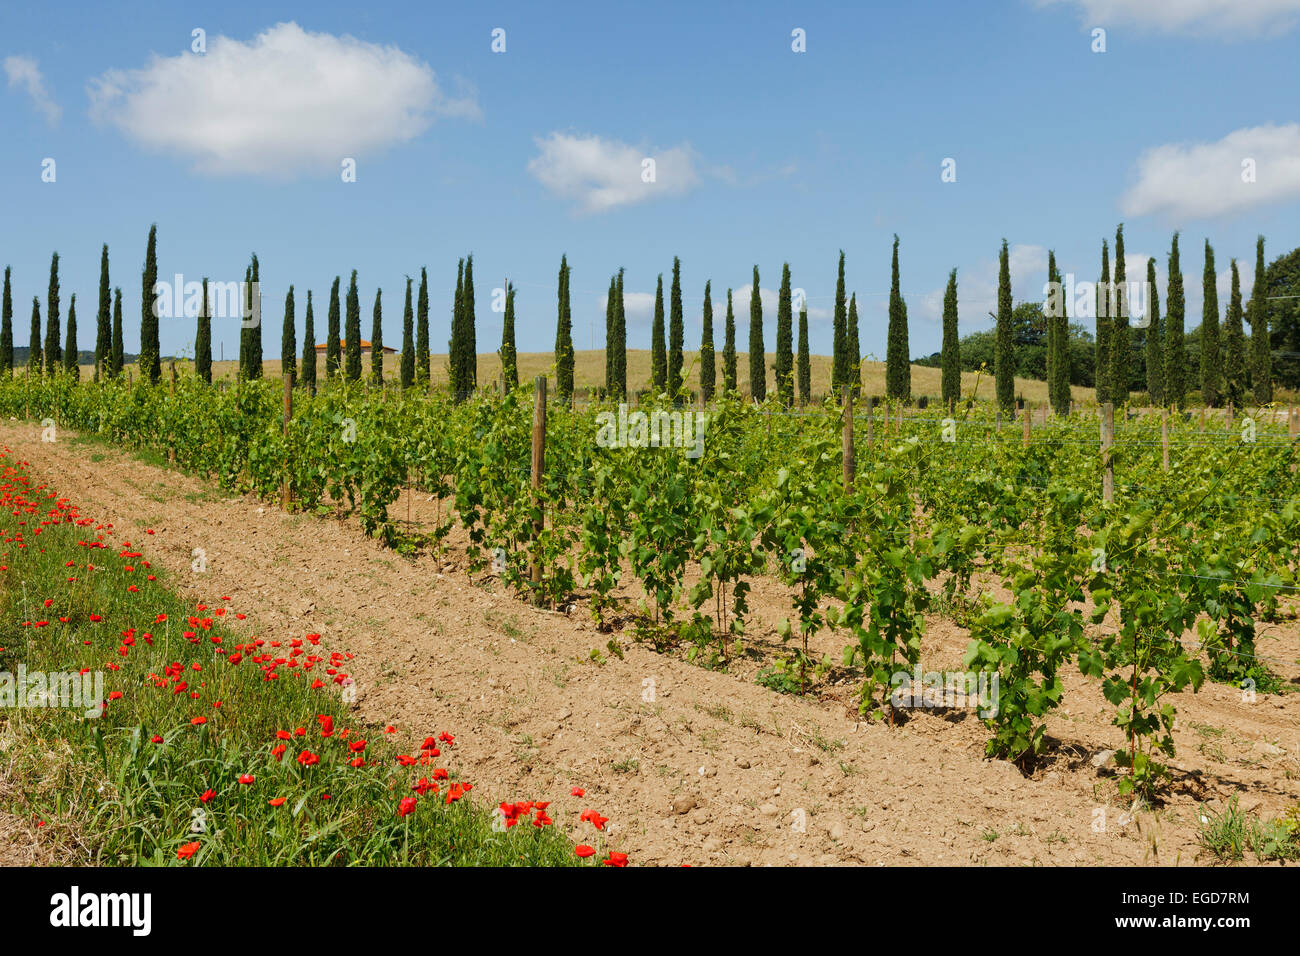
(950, 388)
(1003, 358)
(406, 375)
(333, 351)
(352, 333)
(708, 362)
(564, 340)
(757, 357)
(898, 363)
(308, 349)
(676, 332)
(658, 349)
(783, 364)
(288, 340)
(729, 350)
(1211, 369)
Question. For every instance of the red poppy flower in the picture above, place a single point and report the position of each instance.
(277, 802)
(578, 792)
(584, 851)
(246, 778)
(406, 806)
(615, 859)
(207, 795)
(198, 721)
(187, 851)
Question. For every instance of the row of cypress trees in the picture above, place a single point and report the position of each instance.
(1230, 369)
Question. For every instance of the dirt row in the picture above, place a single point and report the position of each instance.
(690, 765)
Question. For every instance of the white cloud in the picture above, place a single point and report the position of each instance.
(1206, 17)
(23, 72)
(286, 102)
(1182, 181)
(977, 287)
(603, 174)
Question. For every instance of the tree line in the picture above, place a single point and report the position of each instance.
(1155, 356)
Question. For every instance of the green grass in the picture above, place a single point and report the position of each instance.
(1230, 833)
(109, 793)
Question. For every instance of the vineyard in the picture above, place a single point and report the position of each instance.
(1147, 556)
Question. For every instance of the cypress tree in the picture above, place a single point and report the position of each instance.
(676, 332)
(333, 356)
(1175, 350)
(309, 348)
(950, 356)
(1234, 346)
(150, 361)
(352, 333)
(455, 347)
(729, 350)
(564, 339)
(469, 361)
(757, 358)
(1261, 365)
(658, 352)
(7, 331)
(1105, 295)
(853, 350)
(119, 352)
(34, 341)
(71, 365)
(610, 321)
(898, 366)
(708, 362)
(783, 363)
(1003, 357)
(1058, 342)
(377, 341)
(103, 319)
(1119, 330)
(509, 357)
(407, 377)
(422, 332)
(1155, 345)
(244, 373)
(1211, 371)
(53, 353)
(620, 349)
(289, 340)
(203, 338)
(805, 358)
(255, 328)
(839, 346)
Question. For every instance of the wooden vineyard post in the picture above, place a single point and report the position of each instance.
(1293, 428)
(288, 414)
(1164, 438)
(539, 469)
(1107, 440)
(998, 420)
(171, 390)
(871, 423)
(1228, 417)
(886, 419)
(849, 462)
(1026, 415)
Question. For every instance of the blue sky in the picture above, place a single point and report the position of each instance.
(763, 155)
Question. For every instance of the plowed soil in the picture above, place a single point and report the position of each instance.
(691, 765)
